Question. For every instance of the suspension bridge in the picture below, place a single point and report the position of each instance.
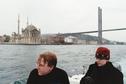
(99, 31)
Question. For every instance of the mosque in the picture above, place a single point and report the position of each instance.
(29, 35)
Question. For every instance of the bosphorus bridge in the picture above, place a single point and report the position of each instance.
(99, 31)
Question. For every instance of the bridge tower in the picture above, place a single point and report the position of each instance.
(18, 33)
(99, 25)
(18, 25)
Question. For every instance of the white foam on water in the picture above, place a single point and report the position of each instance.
(123, 69)
(75, 79)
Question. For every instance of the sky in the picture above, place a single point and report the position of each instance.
(64, 16)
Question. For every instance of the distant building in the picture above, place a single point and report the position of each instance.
(71, 39)
(1, 39)
(29, 35)
(93, 42)
(53, 39)
(14, 38)
(81, 41)
(58, 39)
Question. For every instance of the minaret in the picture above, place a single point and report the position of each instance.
(18, 26)
(99, 25)
(27, 21)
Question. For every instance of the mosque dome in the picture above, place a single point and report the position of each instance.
(30, 28)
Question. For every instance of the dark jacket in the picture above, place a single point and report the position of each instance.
(106, 74)
(56, 76)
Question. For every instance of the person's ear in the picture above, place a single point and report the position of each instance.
(51, 67)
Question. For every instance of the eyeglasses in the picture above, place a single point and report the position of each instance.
(39, 64)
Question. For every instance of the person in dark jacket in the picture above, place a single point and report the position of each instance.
(47, 72)
(103, 71)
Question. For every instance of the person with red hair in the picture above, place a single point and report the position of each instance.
(102, 71)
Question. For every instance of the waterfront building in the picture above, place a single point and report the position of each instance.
(55, 39)
(29, 35)
(92, 42)
(71, 39)
(80, 41)
(1, 39)
(14, 38)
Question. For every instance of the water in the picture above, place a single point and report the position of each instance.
(16, 61)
